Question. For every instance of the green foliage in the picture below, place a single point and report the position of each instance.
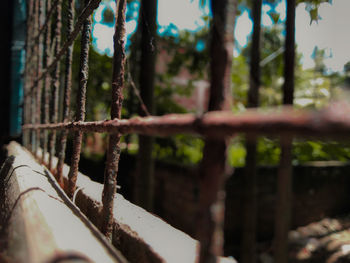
(108, 16)
(183, 149)
(270, 92)
(312, 7)
(268, 151)
(236, 152)
(183, 54)
(314, 88)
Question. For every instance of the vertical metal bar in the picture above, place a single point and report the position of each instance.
(284, 184)
(80, 115)
(34, 72)
(67, 92)
(144, 180)
(284, 200)
(38, 72)
(250, 181)
(47, 82)
(250, 203)
(213, 166)
(254, 80)
(55, 83)
(113, 153)
(289, 54)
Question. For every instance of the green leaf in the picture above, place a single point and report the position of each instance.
(275, 17)
(314, 15)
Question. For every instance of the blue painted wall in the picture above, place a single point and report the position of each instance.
(17, 66)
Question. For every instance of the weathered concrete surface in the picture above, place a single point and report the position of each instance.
(139, 235)
(41, 225)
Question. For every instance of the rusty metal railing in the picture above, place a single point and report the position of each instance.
(44, 52)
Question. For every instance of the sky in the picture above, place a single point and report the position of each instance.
(329, 33)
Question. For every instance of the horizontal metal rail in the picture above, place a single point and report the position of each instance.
(331, 122)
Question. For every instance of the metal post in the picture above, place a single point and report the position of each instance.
(55, 82)
(67, 91)
(213, 166)
(284, 195)
(250, 182)
(47, 82)
(113, 152)
(81, 98)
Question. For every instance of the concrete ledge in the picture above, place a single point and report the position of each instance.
(42, 224)
(139, 235)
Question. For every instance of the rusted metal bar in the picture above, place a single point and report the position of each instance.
(283, 205)
(35, 69)
(250, 181)
(55, 82)
(32, 117)
(80, 113)
(250, 202)
(113, 153)
(284, 182)
(67, 93)
(39, 84)
(254, 72)
(333, 122)
(213, 166)
(289, 54)
(88, 10)
(144, 179)
(43, 27)
(47, 81)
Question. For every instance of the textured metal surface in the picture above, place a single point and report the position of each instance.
(43, 26)
(67, 94)
(213, 166)
(113, 152)
(284, 201)
(39, 50)
(284, 181)
(85, 14)
(248, 254)
(55, 83)
(34, 70)
(333, 122)
(47, 82)
(147, 29)
(289, 54)
(81, 98)
(216, 126)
